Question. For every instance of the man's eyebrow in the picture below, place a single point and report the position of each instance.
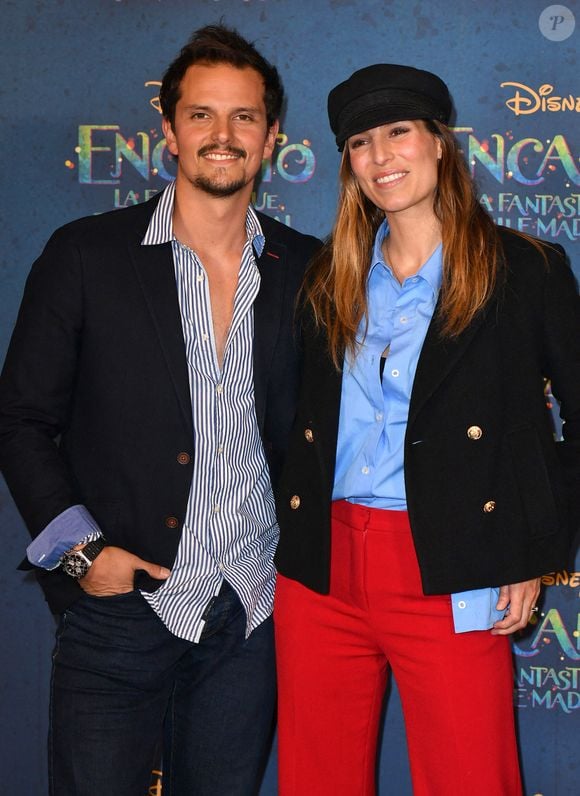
(195, 107)
(241, 109)
(249, 109)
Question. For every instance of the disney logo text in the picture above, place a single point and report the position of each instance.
(526, 101)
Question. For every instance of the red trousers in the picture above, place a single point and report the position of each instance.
(334, 654)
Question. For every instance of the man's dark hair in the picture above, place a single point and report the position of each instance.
(216, 44)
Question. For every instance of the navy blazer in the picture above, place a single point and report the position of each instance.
(94, 396)
(492, 499)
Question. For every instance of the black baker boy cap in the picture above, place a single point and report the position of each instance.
(384, 93)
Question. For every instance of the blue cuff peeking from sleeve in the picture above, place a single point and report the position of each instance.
(71, 527)
(475, 610)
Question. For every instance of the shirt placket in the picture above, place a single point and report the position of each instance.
(378, 339)
(210, 381)
(231, 378)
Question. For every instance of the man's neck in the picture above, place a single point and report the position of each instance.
(208, 223)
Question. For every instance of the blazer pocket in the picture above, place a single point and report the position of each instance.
(533, 481)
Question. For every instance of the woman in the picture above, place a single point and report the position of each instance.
(423, 494)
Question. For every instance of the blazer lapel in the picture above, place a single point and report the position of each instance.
(267, 317)
(438, 356)
(156, 274)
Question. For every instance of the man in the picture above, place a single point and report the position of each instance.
(145, 403)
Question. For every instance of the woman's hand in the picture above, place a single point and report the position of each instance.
(519, 599)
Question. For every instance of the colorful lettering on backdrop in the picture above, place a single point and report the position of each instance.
(529, 162)
(548, 671)
(131, 162)
(136, 165)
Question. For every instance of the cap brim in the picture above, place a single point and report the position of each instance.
(377, 116)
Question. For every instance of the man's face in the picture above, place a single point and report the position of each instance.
(220, 133)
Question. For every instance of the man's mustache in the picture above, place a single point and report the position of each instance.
(230, 150)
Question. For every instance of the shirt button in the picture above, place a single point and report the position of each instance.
(379, 417)
(403, 319)
(216, 508)
(205, 337)
(395, 373)
(220, 450)
(200, 277)
(219, 389)
(183, 458)
(171, 522)
(365, 470)
(461, 604)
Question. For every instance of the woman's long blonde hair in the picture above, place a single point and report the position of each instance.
(472, 256)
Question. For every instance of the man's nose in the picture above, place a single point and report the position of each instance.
(222, 130)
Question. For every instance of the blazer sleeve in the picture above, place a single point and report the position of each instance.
(37, 383)
(561, 335)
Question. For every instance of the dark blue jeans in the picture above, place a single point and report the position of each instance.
(124, 689)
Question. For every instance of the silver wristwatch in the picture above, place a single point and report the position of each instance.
(77, 563)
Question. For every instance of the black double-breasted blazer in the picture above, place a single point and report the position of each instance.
(95, 406)
(492, 498)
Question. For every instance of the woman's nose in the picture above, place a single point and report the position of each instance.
(382, 151)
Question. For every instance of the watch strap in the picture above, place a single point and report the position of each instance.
(92, 549)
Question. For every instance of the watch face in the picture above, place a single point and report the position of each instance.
(75, 565)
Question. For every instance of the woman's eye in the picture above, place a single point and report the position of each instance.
(358, 142)
(399, 130)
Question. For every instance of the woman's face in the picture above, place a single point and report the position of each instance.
(395, 166)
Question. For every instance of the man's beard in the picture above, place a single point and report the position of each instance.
(215, 188)
(212, 185)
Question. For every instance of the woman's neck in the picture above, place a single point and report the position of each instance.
(409, 244)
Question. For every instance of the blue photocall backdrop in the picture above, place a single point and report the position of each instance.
(81, 134)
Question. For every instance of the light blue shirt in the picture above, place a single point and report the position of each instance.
(373, 414)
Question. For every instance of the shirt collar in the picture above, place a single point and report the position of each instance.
(431, 271)
(160, 229)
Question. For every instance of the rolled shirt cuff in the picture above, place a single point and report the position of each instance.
(73, 526)
(475, 610)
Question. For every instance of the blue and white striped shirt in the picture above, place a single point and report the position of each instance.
(230, 528)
